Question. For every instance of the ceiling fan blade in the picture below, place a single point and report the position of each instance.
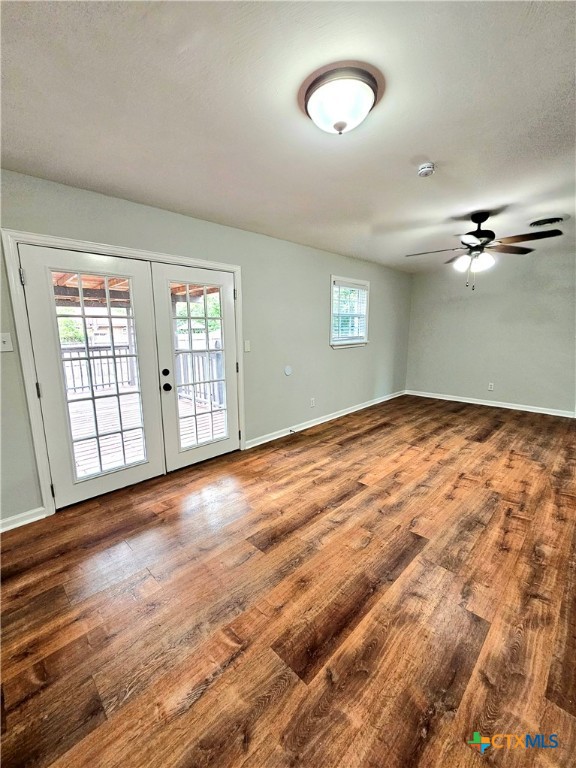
(425, 253)
(469, 240)
(530, 236)
(510, 249)
(454, 258)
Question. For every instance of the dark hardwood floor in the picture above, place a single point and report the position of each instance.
(367, 593)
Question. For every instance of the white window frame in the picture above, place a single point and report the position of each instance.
(348, 282)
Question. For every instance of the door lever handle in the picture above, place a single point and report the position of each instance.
(166, 387)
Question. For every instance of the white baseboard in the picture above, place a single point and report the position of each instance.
(493, 403)
(314, 422)
(473, 400)
(23, 518)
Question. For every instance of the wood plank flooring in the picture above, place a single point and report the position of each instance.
(370, 592)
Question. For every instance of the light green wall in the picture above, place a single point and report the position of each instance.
(517, 330)
(286, 298)
(19, 490)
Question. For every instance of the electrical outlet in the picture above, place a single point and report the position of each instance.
(312, 402)
(6, 343)
(490, 387)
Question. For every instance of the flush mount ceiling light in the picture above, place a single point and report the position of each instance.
(339, 100)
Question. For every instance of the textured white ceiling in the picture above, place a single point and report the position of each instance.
(192, 107)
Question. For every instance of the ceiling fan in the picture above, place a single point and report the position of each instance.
(480, 242)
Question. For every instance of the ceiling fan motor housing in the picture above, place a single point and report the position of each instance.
(485, 235)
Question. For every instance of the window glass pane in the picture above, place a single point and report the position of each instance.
(215, 334)
(76, 375)
(119, 296)
(219, 426)
(201, 366)
(69, 309)
(188, 437)
(72, 335)
(127, 374)
(213, 302)
(198, 328)
(130, 411)
(202, 397)
(82, 419)
(197, 304)
(99, 335)
(134, 446)
(66, 293)
(217, 366)
(179, 300)
(183, 372)
(204, 427)
(103, 372)
(86, 458)
(111, 451)
(94, 297)
(218, 395)
(181, 335)
(124, 334)
(186, 401)
(107, 414)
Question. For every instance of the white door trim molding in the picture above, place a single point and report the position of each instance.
(10, 242)
(11, 239)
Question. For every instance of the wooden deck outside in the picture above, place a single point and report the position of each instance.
(120, 424)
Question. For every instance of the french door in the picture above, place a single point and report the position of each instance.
(128, 392)
(197, 362)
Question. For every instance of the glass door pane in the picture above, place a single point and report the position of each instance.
(100, 365)
(93, 334)
(199, 363)
(195, 318)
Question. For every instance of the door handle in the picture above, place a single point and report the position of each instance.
(166, 387)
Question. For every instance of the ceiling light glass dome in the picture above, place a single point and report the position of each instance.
(340, 100)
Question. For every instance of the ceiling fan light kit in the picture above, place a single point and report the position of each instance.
(339, 100)
(477, 263)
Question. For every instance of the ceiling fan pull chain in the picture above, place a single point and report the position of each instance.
(468, 274)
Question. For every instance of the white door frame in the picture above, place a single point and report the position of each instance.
(11, 239)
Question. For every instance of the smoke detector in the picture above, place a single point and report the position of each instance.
(426, 169)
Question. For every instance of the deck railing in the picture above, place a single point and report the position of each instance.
(199, 367)
(109, 365)
(106, 367)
